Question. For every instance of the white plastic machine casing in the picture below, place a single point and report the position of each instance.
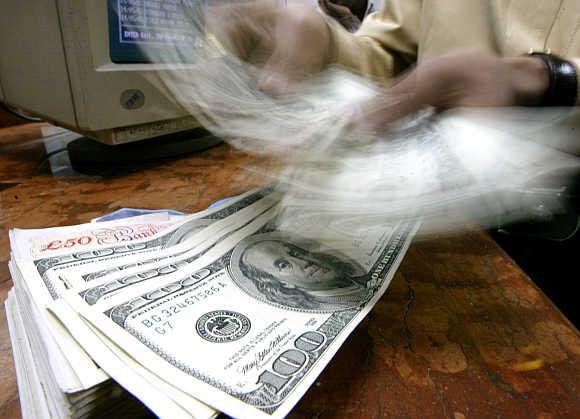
(55, 63)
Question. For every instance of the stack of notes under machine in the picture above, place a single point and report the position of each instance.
(236, 309)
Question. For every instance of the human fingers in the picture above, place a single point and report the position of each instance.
(300, 48)
(324, 7)
(334, 10)
(393, 103)
(242, 27)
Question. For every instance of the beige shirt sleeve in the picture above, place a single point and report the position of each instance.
(385, 44)
(388, 41)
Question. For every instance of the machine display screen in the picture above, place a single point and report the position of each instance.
(153, 24)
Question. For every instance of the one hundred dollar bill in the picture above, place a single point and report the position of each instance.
(139, 268)
(120, 240)
(39, 254)
(248, 326)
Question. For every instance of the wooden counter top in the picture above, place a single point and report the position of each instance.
(461, 332)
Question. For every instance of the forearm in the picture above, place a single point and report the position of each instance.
(546, 80)
(530, 79)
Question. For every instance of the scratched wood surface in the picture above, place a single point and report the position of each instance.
(461, 332)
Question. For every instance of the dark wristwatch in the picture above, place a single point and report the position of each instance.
(563, 87)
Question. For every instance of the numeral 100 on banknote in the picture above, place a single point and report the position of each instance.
(291, 361)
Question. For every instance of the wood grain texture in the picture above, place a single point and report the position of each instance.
(461, 332)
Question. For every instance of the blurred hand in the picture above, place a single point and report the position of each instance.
(471, 79)
(334, 10)
(289, 43)
(341, 13)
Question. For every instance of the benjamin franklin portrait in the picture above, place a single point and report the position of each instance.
(297, 273)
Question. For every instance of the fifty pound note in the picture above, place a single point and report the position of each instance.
(120, 241)
(250, 325)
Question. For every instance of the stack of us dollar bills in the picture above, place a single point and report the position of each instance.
(236, 309)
